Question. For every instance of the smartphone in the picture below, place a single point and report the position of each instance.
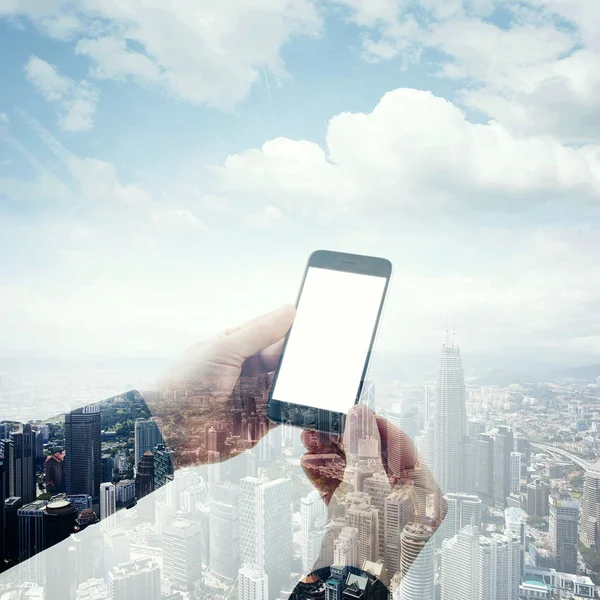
(326, 352)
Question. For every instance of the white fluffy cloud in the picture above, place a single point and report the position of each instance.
(209, 54)
(537, 73)
(415, 152)
(77, 100)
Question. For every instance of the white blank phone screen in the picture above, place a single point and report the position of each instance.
(329, 341)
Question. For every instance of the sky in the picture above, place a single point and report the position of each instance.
(166, 168)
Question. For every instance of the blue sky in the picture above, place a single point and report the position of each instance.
(165, 170)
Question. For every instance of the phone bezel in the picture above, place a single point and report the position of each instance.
(334, 261)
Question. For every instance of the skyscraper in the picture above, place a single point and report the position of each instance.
(108, 467)
(54, 472)
(266, 528)
(83, 460)
(428, 406)
(450, 423)
(163, 465)
(365, 518)
(144, 478)
(485, 468)
(499, 566)
(345, 549)
(564, 519)
(135, 580)
(516, 521)
(32, 529)
(538, 493)
(417, 564)
(108, 500)
(459, 574)
(398, 510)
(515, 472)
(503, 446)
(590, 508)
(11, 528)
(224, 526)
(480, 567)
(116, 549)
(462, 510)
(148, 434)
(21, 464)
(377, 487)
(182, 543)
(313, 518)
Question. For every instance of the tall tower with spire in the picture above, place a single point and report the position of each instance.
(450, 422)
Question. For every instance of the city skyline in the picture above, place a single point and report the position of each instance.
(220, 520)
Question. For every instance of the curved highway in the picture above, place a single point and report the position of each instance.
(584, 464)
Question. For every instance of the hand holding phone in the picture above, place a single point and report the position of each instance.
(326, 352)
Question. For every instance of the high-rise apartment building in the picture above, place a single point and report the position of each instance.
(450, 423)
(83, 460)
(590, 508)
(253, 584)
(125, 491)
(564, 520)
(516, 460)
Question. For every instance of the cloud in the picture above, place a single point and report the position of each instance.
(4, 118)
(77, 100)
(210, 55)
(414, 152)
(532, 77)
(270, 216)
(537, 73)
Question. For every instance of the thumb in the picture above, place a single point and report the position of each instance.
(262, 332)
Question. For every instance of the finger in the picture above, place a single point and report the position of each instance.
(403, 464)
(361, 425)
(324, 468)
(264, 362)
(271, 355)
(258, 334)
